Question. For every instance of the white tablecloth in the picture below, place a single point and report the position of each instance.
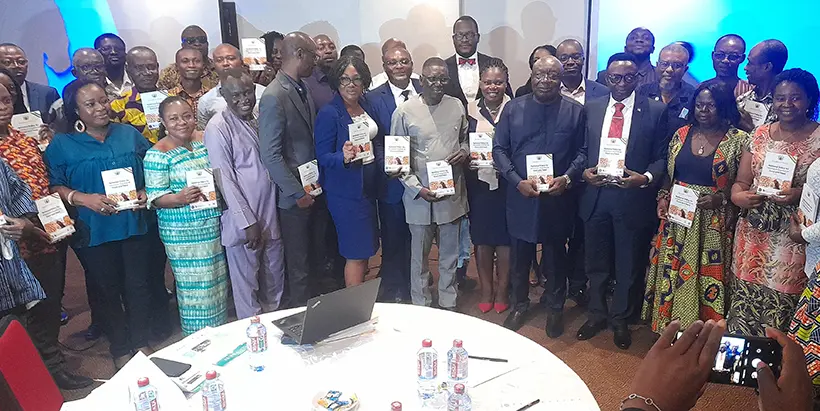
(381, 367)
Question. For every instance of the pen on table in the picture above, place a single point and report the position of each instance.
(475, 357)
(528, 406)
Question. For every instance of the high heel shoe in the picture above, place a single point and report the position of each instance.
(500, 308)
(485, 307)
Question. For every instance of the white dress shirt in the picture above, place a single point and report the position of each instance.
(212, 102)
(112, 90)
(24, 90)
(629, 105)
(468, 77)
(381, 78)
(397, 92)
(579, 94)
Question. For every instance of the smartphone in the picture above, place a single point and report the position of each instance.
(171, 368)
(738, 357)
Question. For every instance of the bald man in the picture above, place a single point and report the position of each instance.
(226, 58)
(541, 123)
(86, 63)
(142, 68)
(326, 55)
(673, 63)
(36, 97)
(381, 78)
(766, 60)
(196, 38)
(573, 84)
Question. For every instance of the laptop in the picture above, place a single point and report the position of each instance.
(330, 313)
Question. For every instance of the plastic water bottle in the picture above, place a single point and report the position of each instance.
(395, 406)
(459, 400)
(257, 344)
(146, 396)
(213, 393)
(427, 371)
(457, 362)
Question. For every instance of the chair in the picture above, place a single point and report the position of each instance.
(25, 383)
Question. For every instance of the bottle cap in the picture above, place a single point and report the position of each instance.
(255, 320)
(395, 406)
(142, 382)
(210, 375)
(459, 388)
(427, 343)
(458, 343)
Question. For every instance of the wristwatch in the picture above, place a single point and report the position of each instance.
(569, 180)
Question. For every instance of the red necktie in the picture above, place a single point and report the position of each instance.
(616, 127)
(463, 61)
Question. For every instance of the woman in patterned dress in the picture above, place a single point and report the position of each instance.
(687, 273)
(768, 265)
(191, 237)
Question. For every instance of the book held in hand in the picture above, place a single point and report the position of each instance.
(253, 53)
(29, 124)
(397, 154)
(120, 187)
(539, 170)
(204, 179)
(481, 150)
(54, 217)
(682, 206)
(359, 136)
(612, 157)
(150, 106)
(807, 212)
(440, 178)
(777, 174)
(309, 175)
(758, 111)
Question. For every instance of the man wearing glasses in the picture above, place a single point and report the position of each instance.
(196, 38)
(626, 149)
(437, 127)
(729, 53)
(112, 48)
(36, 97)
(673, 64)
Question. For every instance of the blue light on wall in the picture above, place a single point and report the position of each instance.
(702, 22)
(84, 21)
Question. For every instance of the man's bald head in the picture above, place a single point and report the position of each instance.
(193, 30)
(143, 68)
(546, 79)
(548, 63)
(139, 52)
(226, 57)
(392, 43)
(14, 59)
(194, 37)
(88, 63)
(298, 55)
(434, 62)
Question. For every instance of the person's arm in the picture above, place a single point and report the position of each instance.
(158, 181)
(220, 154)
(501, 150)
(272, 124)
(464, 134)
(202, 116)
(324, 135)
(660, 150)
(21, 204)
(576, 168)
(741, 196)
(398, 128)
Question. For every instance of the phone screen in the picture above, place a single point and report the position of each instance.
(738, 357)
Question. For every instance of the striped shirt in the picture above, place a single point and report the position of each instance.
(129, 110)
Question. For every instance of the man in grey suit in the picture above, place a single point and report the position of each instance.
(286, 118)
(437, 127)
(36, 97)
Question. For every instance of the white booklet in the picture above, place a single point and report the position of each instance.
(204, 179)
(682, 206)
(397, 154)
(539, 170)
(777, 174)
(359, 135)
(120, 187)
(150, 106)
(29, 124)
(758, 111)
(54, 217)
(807, 212)
(440, 178)
(309, 174)
(612, 157)
(253, 53)
(481, 150)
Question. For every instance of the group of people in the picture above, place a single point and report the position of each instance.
(606, 240)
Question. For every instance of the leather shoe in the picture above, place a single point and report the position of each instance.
(590, 329)
(580, 297)
(68, 381)
(467, 284)
(555, 324)
(623, 338)
(515, 320)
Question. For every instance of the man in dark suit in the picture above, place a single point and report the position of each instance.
(395, 269)
(617, 209)
(286, 119)
(541, 123)
(36, 97)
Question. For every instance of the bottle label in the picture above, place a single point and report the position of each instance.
(457, 364)
(258, 344)
(427, 366)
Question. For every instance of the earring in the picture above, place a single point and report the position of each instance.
(79, 126)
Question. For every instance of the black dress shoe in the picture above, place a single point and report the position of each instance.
(590, 329)
(466, 283)
(68, 381)
(623, 338)
(555, 324)
(580, 297)
(515, 320)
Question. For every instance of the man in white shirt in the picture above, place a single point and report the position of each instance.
(225, 57)
(112, 48)
(381, 78)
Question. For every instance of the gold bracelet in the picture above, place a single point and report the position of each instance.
(646, 400)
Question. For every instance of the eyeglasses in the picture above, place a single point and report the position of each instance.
(346, 81)
(439, 80)
(109, 49)
(195, 40)
(733, 57)
(617, 78)
(563, 58)
(9, 62)
(394, 63)
(663, 65)
(537, 78)
(470, 35)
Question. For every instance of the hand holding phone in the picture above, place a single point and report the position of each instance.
(739, 357)
(793, 390)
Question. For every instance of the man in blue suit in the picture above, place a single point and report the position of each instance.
(36, 97)
(395, 270)
(618, 210)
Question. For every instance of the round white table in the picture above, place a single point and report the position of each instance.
(381, 367)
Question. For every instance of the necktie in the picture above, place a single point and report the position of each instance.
(462, 61)
(616, 127)
(406, 95)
